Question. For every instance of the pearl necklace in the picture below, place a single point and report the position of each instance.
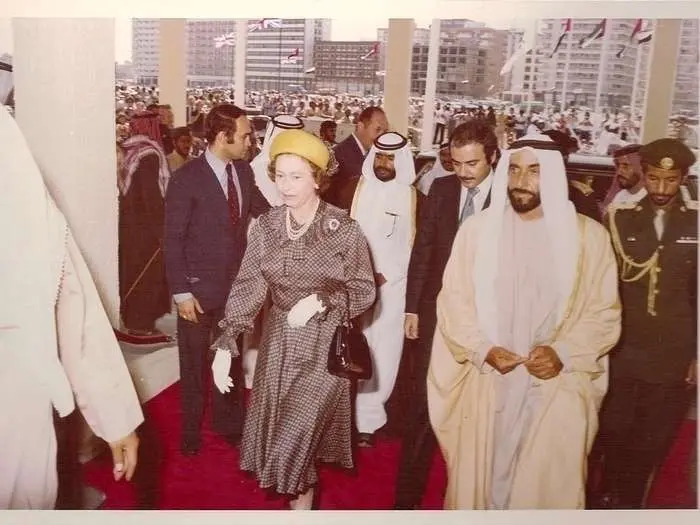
(297, 234)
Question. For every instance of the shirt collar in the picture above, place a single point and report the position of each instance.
(216, 164)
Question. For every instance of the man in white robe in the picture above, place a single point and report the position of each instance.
(385, 207)
(528, 310)
(55, 338)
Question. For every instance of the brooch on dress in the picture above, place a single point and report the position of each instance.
(333, 224)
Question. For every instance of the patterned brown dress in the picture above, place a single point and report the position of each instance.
(299, 414)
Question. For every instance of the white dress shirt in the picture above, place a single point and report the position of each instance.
(479, 199)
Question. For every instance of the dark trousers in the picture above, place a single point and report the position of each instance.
(194, 340)
(439, 135)
(637, 425)
(418, 444)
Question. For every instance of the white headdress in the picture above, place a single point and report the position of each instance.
(260, 163)
(437, 171)
(559, 215)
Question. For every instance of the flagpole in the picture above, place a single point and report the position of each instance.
(426, 140)
(569, 39)
(533, 51)
(239, 63)
(635, 83)
(603, 65)
(279, 65)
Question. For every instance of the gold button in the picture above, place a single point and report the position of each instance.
(658, 270)
(656, 292)
(661, 246)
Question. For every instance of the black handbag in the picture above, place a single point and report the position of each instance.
(348, 354)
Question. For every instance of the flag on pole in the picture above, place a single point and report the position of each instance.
(565, 30)
(638, 36)
(225, 40)
(525, 47)
(597, 33)
(371, 52)
(265, 23)
(291, 58)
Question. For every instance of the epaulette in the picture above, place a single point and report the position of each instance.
(625, 205)
(582, 187)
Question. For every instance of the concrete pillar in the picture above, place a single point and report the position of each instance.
(240, 62)
(64, 87)
(426, 141)
(397, 83)
(661, 79)
(172, 72)
(64, 95)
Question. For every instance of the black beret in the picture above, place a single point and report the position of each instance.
(627, 150)
(667, 154)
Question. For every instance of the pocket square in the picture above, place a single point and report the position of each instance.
(192, 280)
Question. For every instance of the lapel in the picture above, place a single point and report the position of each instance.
(487, 201)
(675, 225)
(243, 180)
(213, 191)
(452, 210)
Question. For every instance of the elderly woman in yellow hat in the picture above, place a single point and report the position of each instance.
(314, 260)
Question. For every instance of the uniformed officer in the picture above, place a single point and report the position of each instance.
(654, 367)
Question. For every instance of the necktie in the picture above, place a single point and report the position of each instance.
(468, 208)
(659, 223)
(233, 207)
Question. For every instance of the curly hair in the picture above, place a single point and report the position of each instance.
(321, 177)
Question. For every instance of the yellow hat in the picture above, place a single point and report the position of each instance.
(301, 143)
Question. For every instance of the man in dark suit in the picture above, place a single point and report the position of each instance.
(653, 371)
(474, 152)
(208, 204)
(351, 153)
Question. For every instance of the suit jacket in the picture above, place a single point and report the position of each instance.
(437, 228)
(203, 250)
(350, 159)
(658, 348)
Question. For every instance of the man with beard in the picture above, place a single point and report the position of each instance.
(528, 310)
(450, 201)
(654, 368)
(182, 141)
(385, 205)
(628, 185)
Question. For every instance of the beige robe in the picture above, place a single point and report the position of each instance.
(550, 472)
(93, 363)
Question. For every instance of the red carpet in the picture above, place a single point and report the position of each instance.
(213, 481)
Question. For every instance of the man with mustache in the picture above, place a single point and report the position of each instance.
(528, 310)
(654, 368)
(628, 185)
(384, 205)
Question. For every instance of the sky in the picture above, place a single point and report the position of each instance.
(341, 29)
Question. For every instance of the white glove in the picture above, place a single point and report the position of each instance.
(304, 310)
(220, 369)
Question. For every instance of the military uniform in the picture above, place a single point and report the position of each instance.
(648, 395)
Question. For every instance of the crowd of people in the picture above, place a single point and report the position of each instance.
(494, 272)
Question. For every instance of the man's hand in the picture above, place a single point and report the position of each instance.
(503, 360)
(379, 279)
(692, 378)
(188, 310)
(544, 363)
(125, 456)
(410, 326)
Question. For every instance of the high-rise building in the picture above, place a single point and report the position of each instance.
(211, 66)
(339, 67)
(578, 74)
(469, 62)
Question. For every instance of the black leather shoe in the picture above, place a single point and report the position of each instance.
(365, 440)
(190, 447)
